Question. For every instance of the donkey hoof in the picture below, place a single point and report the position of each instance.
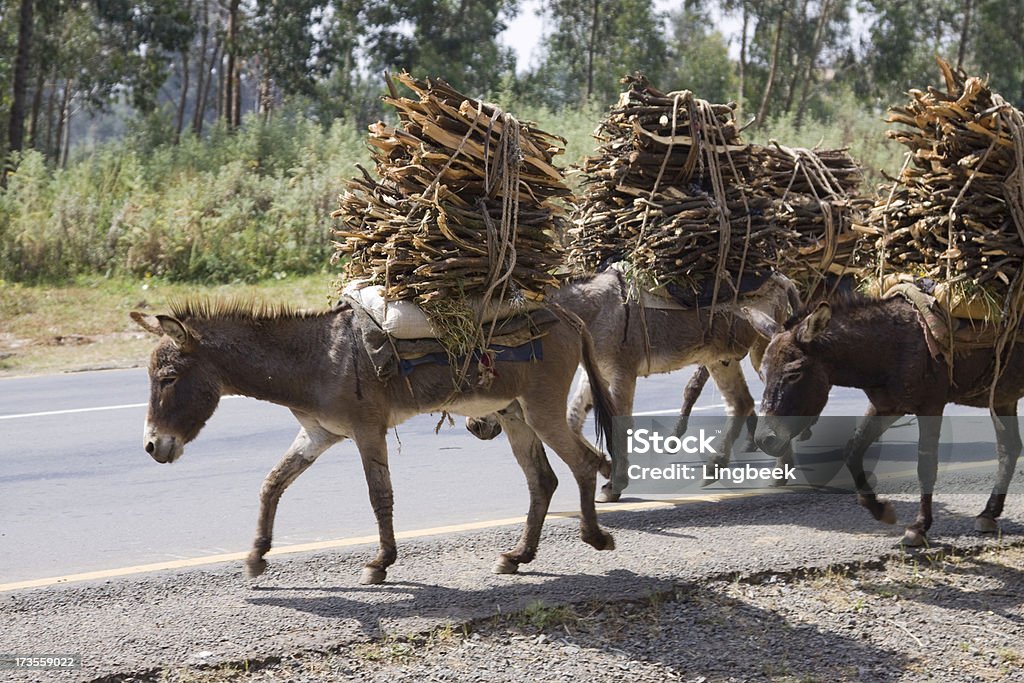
(603, 541)
(749, 446)
(912, 538)
(608, 495)
(779, 483)
(255, 566)
(372, 576)
(985, 525)
(505, 565)
(888, 515)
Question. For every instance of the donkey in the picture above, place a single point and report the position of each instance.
(311, 363)
(632, 341)
(879, 345)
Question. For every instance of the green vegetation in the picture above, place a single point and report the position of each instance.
(248, 205)
(234, 207)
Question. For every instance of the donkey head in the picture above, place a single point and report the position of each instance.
(183, 387)
(796, 382)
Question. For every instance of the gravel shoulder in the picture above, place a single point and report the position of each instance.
(937, 616)
(785, 587)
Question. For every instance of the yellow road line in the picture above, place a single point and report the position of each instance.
(354, 541)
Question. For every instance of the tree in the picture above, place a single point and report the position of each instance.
(593, 44)
(16, 122)
(997, 46)
(286, 51)
(901, 42)
(453, 39)
(699, 58)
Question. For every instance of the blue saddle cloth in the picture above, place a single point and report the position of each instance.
(532, 350)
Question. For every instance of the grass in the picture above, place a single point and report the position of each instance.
(541, 616)
(85, 324)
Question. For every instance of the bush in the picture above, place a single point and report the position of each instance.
(239, 206)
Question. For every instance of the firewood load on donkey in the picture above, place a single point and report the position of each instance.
(698, 222)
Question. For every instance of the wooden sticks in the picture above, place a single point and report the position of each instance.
(463, 204)
(950, 216)
(674, 192)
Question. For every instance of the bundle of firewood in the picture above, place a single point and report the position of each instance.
(816, 199)
(675, 193)
(956, 212)
(463, 204)
(665, 192)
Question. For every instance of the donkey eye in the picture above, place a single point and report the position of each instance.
(168, 381)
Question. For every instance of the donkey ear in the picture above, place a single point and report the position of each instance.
(762, 323)
(147, 322)
(813, 325)
(173, 328)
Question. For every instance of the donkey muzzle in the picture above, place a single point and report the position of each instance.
(163, 448)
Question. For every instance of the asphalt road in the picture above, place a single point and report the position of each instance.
(79, 494)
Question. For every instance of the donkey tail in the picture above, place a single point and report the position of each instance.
(601, 397)
(604, 406)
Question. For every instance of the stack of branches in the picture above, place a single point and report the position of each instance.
(464, 205)
(956, 212)
(667, 192)
(675, 193)
(816, 199)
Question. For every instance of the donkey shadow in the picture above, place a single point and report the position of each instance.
(699, 631)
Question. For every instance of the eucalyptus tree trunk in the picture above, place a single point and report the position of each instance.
(16, 122)
(773, 66)
(965, 31)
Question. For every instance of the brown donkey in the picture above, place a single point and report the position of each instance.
(312, 364)
(878, 345)
(632, 341)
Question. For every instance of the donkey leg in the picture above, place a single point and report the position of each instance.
(728, 377)
(540, 480)
(307, 447)
(1008, 447)
(373, 451)
(579, 405)
(583, 461)
(484, 428)
(871, 427)
(691, 392)
(622, 389)
(927, 472)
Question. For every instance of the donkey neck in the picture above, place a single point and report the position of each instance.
(281, 360)
(861, 347)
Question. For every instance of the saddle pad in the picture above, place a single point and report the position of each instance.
(944, 333)
(511, 335)
(406, 320)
